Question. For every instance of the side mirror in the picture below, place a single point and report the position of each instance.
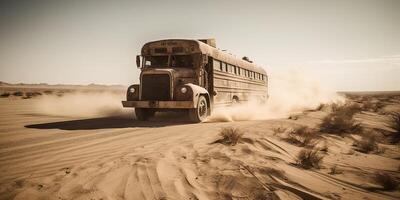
(138, 61)
(205, 58)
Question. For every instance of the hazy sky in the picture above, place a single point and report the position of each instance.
(348, 45)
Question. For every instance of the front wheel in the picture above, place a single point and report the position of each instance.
(200, 113)
(143, 114)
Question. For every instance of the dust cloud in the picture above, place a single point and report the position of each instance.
(83, 104)
(289, 93)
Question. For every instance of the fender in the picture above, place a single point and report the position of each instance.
(197, 91)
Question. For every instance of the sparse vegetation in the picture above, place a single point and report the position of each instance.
(395, 125)
(301, 136)
(309, 158)
(387, 181)
(5, 95)
(341, 120)
(372, 105)
(279, 130)
(366, 144)
(29, 95)
(230, 136)
(48, 92)
(18, 94)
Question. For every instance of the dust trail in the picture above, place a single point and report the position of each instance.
(83, 104)
(288, 93)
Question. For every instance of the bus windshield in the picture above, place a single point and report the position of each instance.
(156, 61)
(181, 61)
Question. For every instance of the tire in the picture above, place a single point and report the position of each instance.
(235, 100)
(143, 114)
(200, 113)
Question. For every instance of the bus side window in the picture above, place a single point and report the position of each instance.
(225, 67)
(217, 65)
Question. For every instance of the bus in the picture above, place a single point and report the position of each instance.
(192, 76)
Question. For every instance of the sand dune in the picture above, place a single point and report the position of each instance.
(53, 157)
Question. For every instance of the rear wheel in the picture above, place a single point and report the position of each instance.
(200, 113)
(143, 114)
(235, 100)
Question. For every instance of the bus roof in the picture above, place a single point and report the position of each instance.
(216, 54)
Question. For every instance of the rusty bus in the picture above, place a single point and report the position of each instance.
(192, 75)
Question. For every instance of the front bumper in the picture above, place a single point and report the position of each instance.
(158, 104)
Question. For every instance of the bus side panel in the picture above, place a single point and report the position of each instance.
(229, 85)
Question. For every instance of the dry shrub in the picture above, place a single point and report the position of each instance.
(279, 130)
(230, 136)
(372, 105)
(301, 136)
(366, 144)
(309, 158)
(48, 92)
(5, 95)
(395, 125)
(340, 120)
(18, 94)
(387, 181)
(29, 95)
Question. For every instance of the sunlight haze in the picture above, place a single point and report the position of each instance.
(346, 45)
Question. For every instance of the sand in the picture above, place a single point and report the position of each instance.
(44, 156)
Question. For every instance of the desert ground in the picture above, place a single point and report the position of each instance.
(348, 150)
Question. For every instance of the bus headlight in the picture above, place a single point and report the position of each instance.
(183, 90)
(132, 93)
(183, 93)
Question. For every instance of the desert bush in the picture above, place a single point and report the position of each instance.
(279, 130)
(372, 105)
(366, 144)
(387, 181)
(348, 108)
(18, 94)
(301, 136)
(309, 158)
(230, 136)
(5, 94)
(48, 92)
(29, 95)
(395, 125)
(340, 120)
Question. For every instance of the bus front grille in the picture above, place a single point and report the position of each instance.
(156, 87)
